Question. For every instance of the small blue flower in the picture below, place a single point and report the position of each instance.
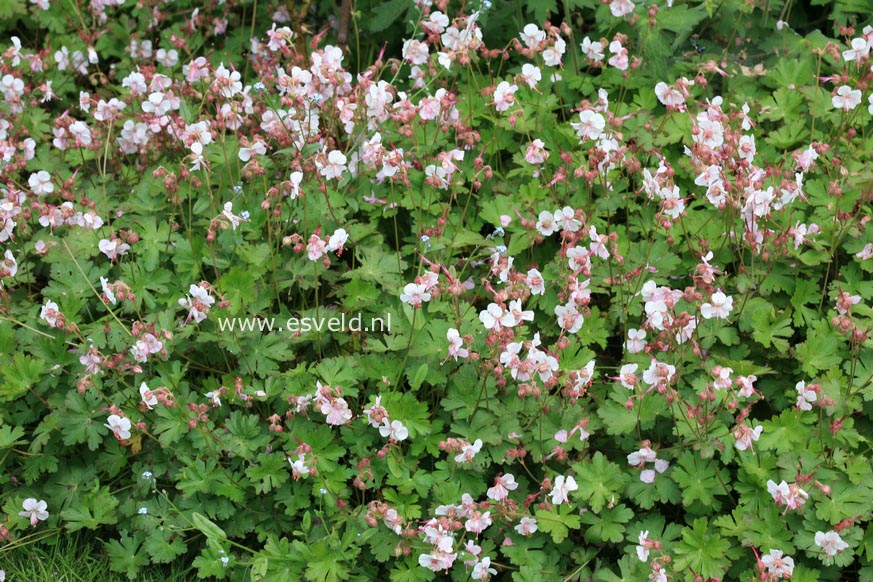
(499, 232)
(224, 560)
(238, 188)
(323, 491)
(147, 475)
(501, 249)
(143, 510)
(259, 86)
(245, 214)
(424, 238)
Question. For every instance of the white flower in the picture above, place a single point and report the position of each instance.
(592, 50)
(483, 569)
(590, 125)
(41, 183)
(148, 397)
(504, 95)
(526, 526)
(563, 486)
(830, 542)
(846, 98)
(120, 426)
(859, 50)
(107, 291)
(337, 240)
(621, 8)
(335, 166)
(393, 430)
(636, 341)
(49, 313)
(804, 396)
(34, 510)
(642, 550)
(469, 451)
(113, 248)
(777, 564)
(532, 35)
(719, 307)
(415, 294)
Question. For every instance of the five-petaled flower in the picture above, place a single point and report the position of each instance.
(34, 510)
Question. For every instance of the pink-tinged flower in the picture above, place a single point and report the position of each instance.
(746, 385)
(258, 148)
(50, 313)
(590, 125)
(659, 374)
(335, 166)
(456, 345)
(719, 306)
(233, 218)
(641, 457)
(483, 570)
(415, 294)
(536, 152)
(437, 561)
(148, 397)
(415, 52)
(337, 240)
(546, 224)
(619, 58)
(860, 49)
(146, 345)
(92, 361)
(532, 36)
(569, 318)
(502, 486)
(119, 426)
(337, 411)
(865, 253)
(552, 55)
(530, 75)
(35, 511)
(745, 436)
(592, 50)
(478, 522)
(469, 451)
(846, 98)
(376, 413)
(295, 179)
(566, 219)
(491, 317)
(805, 396)
(41, 183)
(504, 95)
(708, 131)
(620, 8)
(669, 96)
(113, 248)
(627, 375)
(643, 547)
(299, 468)
(393, 430)
(526, 526)
(535, 282)
(107, 290)
(636, 341)
(436, 23)
(315, 247)
(562, 488)
(197, 302)
(778, 564)
(830, 542)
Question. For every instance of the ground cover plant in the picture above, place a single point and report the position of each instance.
(437, 290)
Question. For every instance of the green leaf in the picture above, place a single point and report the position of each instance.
(207, 527)
(702, 550)
(600, 482)
(557, 523)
